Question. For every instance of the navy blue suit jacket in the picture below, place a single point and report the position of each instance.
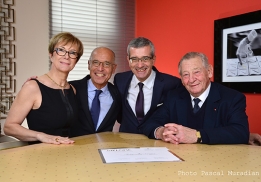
(85, 124)
(225, 120)
(163, 83)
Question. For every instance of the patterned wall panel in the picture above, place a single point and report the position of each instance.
(7, 54)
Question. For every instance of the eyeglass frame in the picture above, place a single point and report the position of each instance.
(69, 52)
(103, 63)
(142, 59)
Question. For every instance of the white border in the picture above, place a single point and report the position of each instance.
(224, 55)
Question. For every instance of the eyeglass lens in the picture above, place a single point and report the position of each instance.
(62, 52)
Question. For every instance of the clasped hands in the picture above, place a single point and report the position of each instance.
(176, 134)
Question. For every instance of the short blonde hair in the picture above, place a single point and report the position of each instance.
(66, 37)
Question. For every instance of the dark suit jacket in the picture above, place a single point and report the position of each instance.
(85, 124)
(225, 120)
(163, 83)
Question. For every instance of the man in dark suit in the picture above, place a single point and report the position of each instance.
(101, 65)
(202, 111)
(155, 85)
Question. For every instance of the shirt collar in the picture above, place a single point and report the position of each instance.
(91, 87)
(148, 82)
(204, 95)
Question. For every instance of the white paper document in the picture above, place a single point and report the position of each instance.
(143, 154)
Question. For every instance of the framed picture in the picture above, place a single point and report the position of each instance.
(237, 52)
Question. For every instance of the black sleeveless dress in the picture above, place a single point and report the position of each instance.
(57, 113)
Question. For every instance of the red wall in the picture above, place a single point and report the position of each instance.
(179, 26)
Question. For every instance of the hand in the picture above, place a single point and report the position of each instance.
(244, 50)
(169, 134)
(53, 139)
(254, 139)
(180, 134)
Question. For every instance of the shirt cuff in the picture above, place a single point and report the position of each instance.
(156, 131)
(204, 137)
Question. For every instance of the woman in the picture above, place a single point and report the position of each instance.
(48, 102)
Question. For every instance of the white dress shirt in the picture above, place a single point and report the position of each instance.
(202, 97)
(133, 92)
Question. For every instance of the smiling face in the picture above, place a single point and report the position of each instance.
(100, 74)
(194, 76)
(141, 70)
(61, 62)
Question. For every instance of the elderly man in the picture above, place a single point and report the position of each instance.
(202, 111)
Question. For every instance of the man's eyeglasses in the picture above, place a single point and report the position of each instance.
(144, 59)
(105, 64)
(62, 52)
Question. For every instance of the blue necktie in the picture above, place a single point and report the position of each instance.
(95, 109)
(196, 107)
(140, 104)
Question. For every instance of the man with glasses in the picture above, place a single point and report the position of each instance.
(94, 92)
(143, 88)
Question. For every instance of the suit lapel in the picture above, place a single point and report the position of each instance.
(157, 94)
(111, 110)
(83, 92)
(125, 101)
(184, 105)
(212, 107)
(157, 91)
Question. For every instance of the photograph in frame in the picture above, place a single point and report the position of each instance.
(237, 52)
(242, 53)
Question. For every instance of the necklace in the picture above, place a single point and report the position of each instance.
(57, 83)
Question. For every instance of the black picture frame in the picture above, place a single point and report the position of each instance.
(243, 84)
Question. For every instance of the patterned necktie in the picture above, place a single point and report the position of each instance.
(95, 109)
(196, 107)
(140, 103)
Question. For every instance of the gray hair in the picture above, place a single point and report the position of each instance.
(190, 55)
(141, 42)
